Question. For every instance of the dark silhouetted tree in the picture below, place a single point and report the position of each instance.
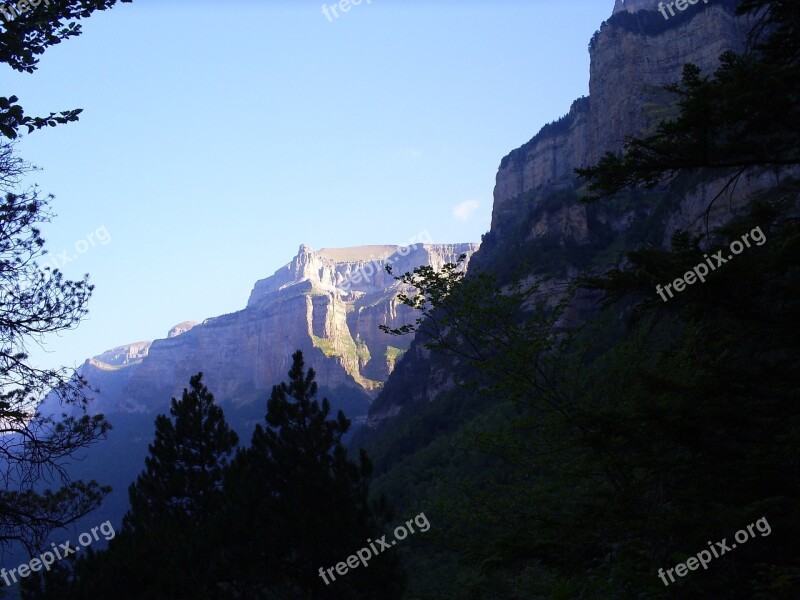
(168, 529)
(744, 118)
(34, 444)
(169, 543)
(182, 481)
(299, 503)
(24, 39)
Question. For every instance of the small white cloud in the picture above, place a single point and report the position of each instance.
(465, 210)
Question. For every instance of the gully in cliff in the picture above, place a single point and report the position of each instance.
(679, 4)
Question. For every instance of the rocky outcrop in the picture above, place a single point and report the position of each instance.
(633, 6)
(180, 328)
(537, 215)
(123, 355)
(632, 57)
(327, 303)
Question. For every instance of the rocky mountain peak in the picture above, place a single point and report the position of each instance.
(353, 271)
(633, 6)
(328, 303)
(123, 355)
(180, 328)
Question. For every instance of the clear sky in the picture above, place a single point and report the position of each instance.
(218, 136)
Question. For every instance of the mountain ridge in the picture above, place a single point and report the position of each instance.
(304, 304)
(537, 214)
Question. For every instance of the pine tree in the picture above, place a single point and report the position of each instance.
(182, 480)
(168, 534)
(167, 547)
(305, 501)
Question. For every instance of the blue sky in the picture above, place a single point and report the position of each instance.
(217, 137)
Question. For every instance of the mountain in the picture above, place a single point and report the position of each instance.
(327, 303)
(633, 56)
(600, 448)
(497, 467)
(537, 216)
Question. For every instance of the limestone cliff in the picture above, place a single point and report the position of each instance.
(329, 304)
(123, 355)
(633, 6)
(633, 55)
(538, 218)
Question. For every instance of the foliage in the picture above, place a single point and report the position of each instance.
(35, 445)
(24, 39)
(301, 492)
(182, 481)
(260, 526)
(33, 303)
(668, 424)
(743, 118)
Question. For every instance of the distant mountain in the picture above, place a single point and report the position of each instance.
(327, 303)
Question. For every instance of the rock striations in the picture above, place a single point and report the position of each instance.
(633, 55)
(633, 6)
(537, 214)
(328, 303)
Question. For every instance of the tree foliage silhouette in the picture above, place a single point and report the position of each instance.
(306, 503)
(22, 41)
(36, 445)
(745, 117)
(34, 302)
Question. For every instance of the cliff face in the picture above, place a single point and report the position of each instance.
(537, 215)
(124, 355)
(633, 6)
(632, 57)
(328, 304)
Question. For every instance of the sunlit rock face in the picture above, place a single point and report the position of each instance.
(328, 303)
